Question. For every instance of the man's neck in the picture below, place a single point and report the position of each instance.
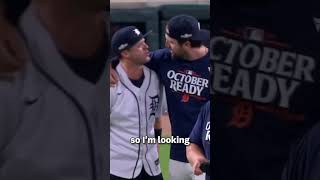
(196, 53)
(76, 32)
(133, 71)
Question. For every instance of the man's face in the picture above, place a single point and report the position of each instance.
(139, 53)
(174, 46)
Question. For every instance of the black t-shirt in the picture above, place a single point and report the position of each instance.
(265, 63)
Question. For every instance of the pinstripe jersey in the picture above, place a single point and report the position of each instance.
(133, 114)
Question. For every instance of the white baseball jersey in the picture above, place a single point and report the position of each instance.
(133, 114)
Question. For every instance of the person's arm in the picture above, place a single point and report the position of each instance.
(114, 77)
(196, 157)
(157, 128)
(158, 131)
(154, 64)
(195, 154)
(112, 97)
(154, 61)
(157, 57)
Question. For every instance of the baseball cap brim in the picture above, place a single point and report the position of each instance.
(202, 35)
(141, 37)
(146, 34)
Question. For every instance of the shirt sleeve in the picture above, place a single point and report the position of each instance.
(154, 62)
(196, 133)
(157, 57)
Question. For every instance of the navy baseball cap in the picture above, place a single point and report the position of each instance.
(183, 26)
(125, 38)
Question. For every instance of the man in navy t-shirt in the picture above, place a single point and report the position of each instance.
(198, 151)
(183, 68)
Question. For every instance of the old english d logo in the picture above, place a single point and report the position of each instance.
(242, 115)
(185, 98)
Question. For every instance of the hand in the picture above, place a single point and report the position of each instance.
(114, 77)
(13, 53)
(196, 166)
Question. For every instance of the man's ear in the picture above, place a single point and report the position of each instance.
(187, 44)
(125, 53)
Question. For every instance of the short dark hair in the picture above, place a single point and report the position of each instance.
(193, 43)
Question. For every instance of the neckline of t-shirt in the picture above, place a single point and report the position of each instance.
(192, 61)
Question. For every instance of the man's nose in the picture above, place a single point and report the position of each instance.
(146, 46)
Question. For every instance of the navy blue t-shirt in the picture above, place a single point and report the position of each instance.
(187, 90)
(265, 59)
(200, 134)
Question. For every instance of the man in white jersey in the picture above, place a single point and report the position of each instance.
(134, 106)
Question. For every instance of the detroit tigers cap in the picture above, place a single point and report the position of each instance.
(125, 38)
(186, 27)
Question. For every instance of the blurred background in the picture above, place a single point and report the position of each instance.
(153, 15)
